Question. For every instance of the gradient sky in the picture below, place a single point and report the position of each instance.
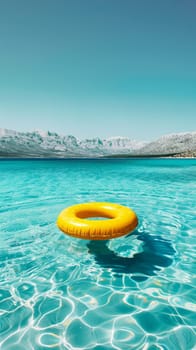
(98, 67)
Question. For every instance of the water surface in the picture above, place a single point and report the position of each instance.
(134, 292)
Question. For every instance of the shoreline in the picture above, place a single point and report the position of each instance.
(98, 158)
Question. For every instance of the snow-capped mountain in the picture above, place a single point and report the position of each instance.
(171, 144)
(41, 144)
(50, 144)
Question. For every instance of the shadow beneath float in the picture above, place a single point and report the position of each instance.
(157, 253)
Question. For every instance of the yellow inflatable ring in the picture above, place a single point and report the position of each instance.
(74, 222)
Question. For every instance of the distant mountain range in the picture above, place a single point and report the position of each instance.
(39, 144)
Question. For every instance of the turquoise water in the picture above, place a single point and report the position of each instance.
(134, 292)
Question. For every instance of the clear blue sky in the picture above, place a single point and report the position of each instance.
(98, 67)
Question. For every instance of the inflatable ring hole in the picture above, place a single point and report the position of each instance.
(95, 214)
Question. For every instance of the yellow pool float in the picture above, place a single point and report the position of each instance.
(74, 220)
